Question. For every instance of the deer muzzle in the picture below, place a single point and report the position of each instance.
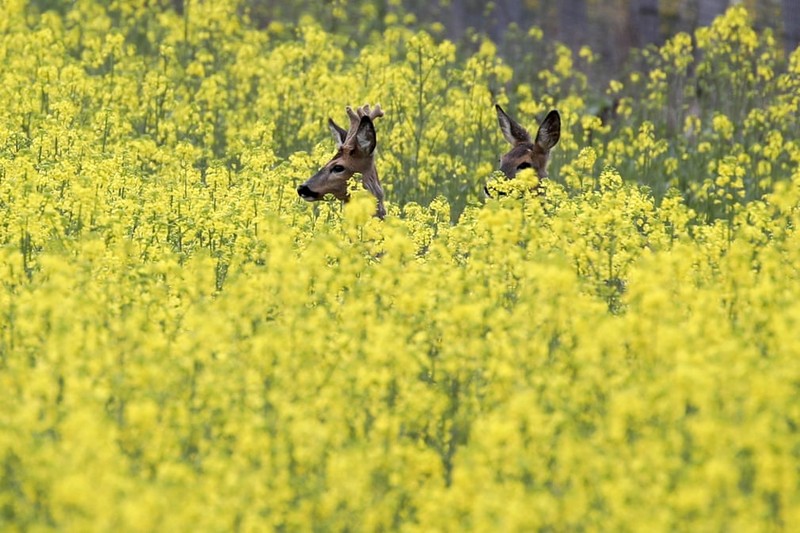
(307, 194)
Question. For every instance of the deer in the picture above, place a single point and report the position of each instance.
(355, 154)
(525, 153)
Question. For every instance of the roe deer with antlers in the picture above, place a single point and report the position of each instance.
(525, 153)
(355, 153)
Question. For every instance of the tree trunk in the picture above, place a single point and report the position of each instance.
(645, 26)
(457, 23)
(791, 25)
(573, 28)
(505, 12)
(464, 14)
(708, 10)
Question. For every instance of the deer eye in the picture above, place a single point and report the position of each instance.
(337, 169)
(523, 166)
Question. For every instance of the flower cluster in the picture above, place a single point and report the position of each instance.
(187, 345)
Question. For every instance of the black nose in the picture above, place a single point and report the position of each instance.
(306, 193)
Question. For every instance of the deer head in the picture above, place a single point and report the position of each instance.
(355, 154)
(525, 153)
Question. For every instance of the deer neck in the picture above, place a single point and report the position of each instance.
(369, 178)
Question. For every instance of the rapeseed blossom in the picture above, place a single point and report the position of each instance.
(185, 344)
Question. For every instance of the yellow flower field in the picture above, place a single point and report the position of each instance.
(186, 345)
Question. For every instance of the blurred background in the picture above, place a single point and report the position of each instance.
(611, 28)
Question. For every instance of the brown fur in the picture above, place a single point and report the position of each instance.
(524, 153)
(356, 151)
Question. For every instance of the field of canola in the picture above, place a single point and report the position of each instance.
(187, 345)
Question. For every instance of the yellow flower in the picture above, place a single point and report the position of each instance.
(723, 126)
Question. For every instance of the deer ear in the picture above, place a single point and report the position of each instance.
(549, 131)
(513, 132)
(339, 134)
(365, 136)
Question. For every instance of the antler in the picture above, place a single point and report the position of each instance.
(363, 111)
